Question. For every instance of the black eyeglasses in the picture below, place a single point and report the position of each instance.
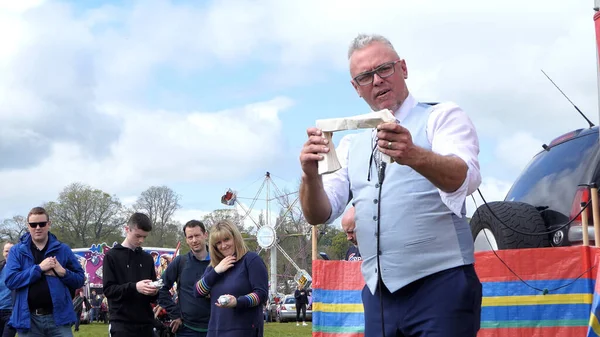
(38, 224)
(383, 71)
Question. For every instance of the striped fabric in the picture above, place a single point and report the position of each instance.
(253, 298)
(510, 308)
(337, 309)
(202, 288)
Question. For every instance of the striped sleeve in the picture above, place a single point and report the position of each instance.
(206, 282)
(258, 277)
(248, 301)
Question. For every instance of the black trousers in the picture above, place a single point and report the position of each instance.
(121, 329)
(303, 308)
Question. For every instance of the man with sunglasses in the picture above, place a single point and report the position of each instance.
(43, 271)
(416, 245)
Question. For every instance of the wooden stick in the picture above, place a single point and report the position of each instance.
(315, 232)
(584, 225)
(596, 214)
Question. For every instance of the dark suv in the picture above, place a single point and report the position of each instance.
(545, 197)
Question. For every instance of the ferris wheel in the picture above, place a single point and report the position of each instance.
(266, 234)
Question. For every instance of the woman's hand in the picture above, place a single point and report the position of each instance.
(225, 264)
(231, 302)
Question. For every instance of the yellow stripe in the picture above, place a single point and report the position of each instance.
(328, 307)
(496, 301)
(594, 324)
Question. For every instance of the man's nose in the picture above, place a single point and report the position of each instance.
(377, 80)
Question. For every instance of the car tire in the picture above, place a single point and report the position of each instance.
(518, 215)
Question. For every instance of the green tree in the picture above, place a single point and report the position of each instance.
(12, 229)
(83, 215)
(160, 204)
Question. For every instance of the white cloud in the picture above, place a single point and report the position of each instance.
(516, 150)
(492, 189)
(73, 86)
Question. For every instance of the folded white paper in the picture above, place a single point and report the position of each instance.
(330, 162)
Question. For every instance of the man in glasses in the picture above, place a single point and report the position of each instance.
(415, 242)
(43, 271)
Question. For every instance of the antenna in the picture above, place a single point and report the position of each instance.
(575, 106)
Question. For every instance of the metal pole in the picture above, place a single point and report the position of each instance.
(597, 30)
(274, 248)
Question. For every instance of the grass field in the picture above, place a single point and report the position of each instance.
(271, 330)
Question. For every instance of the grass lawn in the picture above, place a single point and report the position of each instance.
(271, 330)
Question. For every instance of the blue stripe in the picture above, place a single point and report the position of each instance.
(516, 288)
(535, 312)
(337, 296)
(338, 319)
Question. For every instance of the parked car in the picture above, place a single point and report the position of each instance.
(286, 310)
(546, 196)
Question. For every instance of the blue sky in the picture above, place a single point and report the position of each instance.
(205, 96)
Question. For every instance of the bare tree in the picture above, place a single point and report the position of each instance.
(12, 229)
(160, 204)
(83, 215)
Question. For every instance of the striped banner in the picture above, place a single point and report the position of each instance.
(554, 298)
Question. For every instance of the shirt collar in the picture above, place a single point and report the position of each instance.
(409, 103)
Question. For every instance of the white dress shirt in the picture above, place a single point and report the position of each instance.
(449, 131)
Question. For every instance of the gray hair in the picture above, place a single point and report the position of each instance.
(363, 40)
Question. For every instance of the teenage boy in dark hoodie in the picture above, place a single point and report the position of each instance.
(128, 276)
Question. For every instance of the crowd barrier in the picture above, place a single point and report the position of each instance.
(549, 292)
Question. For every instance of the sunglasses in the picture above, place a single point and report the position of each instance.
(38, 224)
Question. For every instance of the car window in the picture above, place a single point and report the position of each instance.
(552, 177)
(290, 300)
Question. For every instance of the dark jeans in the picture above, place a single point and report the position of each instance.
(5, 330)
(78, 314)
(44, 326)
(303, 308)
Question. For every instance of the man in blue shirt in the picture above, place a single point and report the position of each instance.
(42, 270)
(6, 297)
(190, 314)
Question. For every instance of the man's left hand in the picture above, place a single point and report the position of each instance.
(395, 141)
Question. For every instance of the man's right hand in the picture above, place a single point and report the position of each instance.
(311, 152)
(175, 324)
(145, 287)
(47, 264)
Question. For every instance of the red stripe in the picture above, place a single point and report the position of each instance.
(325, 271)
(337, 334)
(577, 331)
(537, 264)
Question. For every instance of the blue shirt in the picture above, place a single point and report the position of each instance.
(5, 293)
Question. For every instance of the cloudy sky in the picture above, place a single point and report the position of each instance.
(202, 96)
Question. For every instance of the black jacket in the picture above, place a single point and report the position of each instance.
(122, 269)
(194, 311)
(301, 296)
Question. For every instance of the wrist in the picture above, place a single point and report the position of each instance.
(418, 157)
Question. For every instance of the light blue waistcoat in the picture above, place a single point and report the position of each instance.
(419, 234)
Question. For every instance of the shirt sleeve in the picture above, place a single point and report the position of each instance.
(451, 133)
(336, 184)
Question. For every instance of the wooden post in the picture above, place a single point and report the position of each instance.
(315, 239)
(584, 225)
(596, 214)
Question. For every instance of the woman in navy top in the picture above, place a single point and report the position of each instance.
(241, 276)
